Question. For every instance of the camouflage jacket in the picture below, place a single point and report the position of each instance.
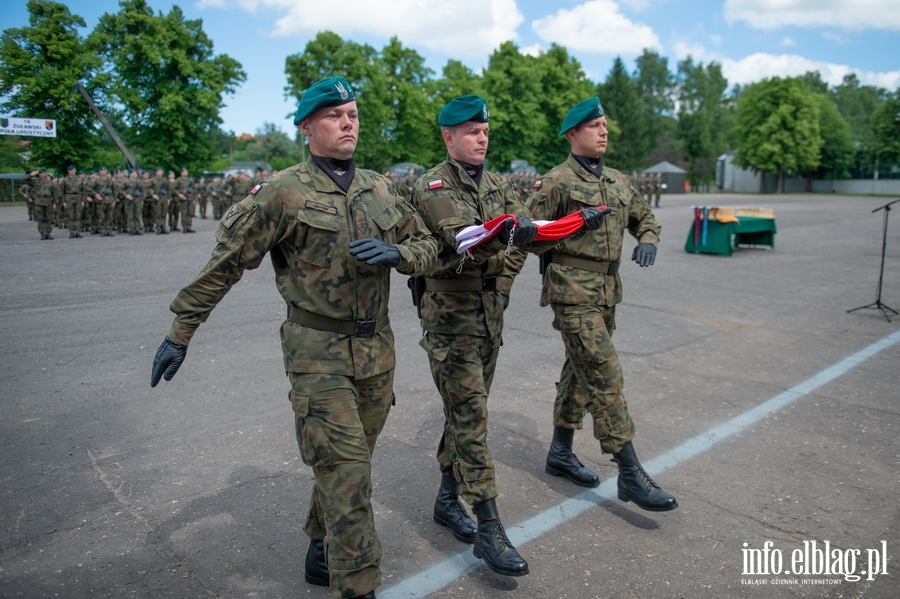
(147, 189)
(570, 188)
(236, 188)
(305, 222)
(72, 189)
(42, 192)
(160, 188)
(104, 188)
(447, 208)
(121, 189)
(184, 186)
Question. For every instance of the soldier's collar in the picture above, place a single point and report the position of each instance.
(483, 184)
(325, 184)
(584, 173)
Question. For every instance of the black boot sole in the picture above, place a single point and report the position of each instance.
(554, 472)
(459, 537)
(649, 508)
(315, 580)
(480, 556)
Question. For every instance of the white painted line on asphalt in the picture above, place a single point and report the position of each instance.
(443, 573)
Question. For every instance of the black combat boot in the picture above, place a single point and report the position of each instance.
(138, 232)
(562, 462)
(449, 512)
(492, 545)
(162, 231)
(369, 595)
(637, 486)
(316, 567)
(78, 235)
(189, 230)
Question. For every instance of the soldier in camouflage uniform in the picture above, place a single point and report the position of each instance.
(160, 197)
(41, 198)
(236, 187)
(106, 204)
(183, 192)
(121, 188)
(73, 201)
(315, 218)
(134, 204)
(582, 286)
(147, 189)
(462, 315)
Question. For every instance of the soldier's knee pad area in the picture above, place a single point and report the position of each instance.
(328, 428)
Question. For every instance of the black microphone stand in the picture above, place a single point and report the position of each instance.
(877, 305)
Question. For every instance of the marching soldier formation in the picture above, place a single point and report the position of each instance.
(344, 229)
(131, 202)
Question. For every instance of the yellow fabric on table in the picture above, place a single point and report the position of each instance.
(724, 215)
(756, 213)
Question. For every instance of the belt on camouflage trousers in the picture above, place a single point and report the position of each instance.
(480, 284)
(356, 328)
(609, 268)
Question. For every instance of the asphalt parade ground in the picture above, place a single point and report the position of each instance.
(771, 413)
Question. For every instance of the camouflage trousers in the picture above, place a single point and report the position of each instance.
(338, 419)
(133, 212)
(148, 213)
(44, 217)
(105, 216)
(463, 369)
(173, 209)
(73, 214)
(159, 212)
(186, 209)
(591, 378)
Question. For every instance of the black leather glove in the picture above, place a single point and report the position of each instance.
(167, 360)
(374, 252)
(524, 233)
(644, 254)
(505, 299)
(593, 218)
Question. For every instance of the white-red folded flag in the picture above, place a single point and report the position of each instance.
(548, 230)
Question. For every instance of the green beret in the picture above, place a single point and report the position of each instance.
(582, 112)
(71, 166)
(333, 91)
(462, 109)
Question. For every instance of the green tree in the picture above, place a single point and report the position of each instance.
(162, 70)
(563, 84)
(857, 103)
(778, 127)
(621, 102)
(705, 117)
(512, 90)
(656, 86)
(456, 80)
(327, 55)
(270, 145)
(886, 129)
(838, 149)
(413, 121)
(12, 159)
(38, 65)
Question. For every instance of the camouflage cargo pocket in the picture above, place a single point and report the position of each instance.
(300, 405)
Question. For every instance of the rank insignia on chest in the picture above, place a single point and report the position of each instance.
(256, 189)
(436, 184)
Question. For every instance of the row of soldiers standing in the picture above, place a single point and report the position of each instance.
(100, 203)
(649, 185)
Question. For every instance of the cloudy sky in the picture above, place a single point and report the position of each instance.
(752, 39)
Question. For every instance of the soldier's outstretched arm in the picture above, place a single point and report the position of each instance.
(244, 237)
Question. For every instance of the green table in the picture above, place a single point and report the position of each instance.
(722, 238)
